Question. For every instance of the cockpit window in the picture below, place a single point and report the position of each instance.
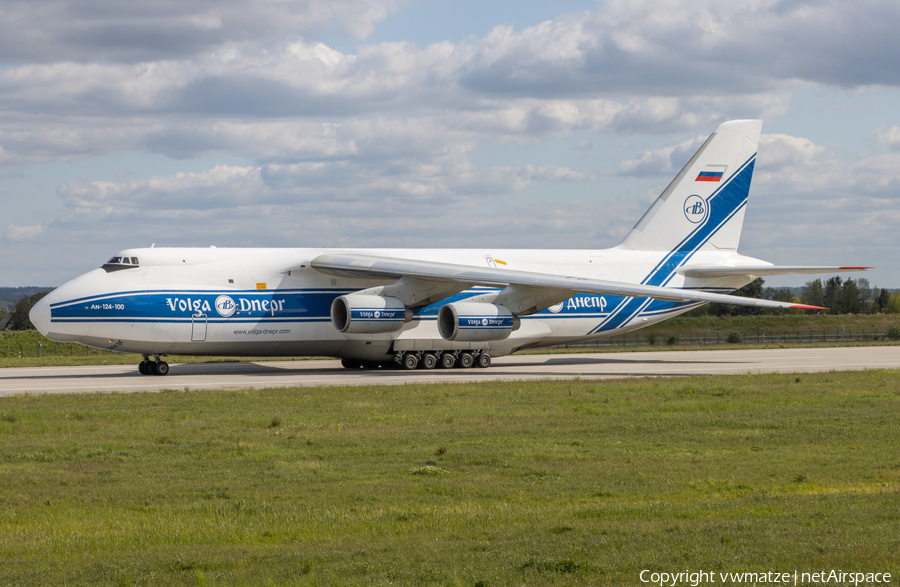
(120, 263)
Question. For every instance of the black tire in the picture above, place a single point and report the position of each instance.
(483, 361)
(448, 360)
(351, 363)
(160, 368)
(144, 368)
(466, 360)
(410, 361)
(429, 361)
(370, 364)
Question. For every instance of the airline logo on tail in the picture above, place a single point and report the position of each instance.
(712, 173)
(695, 209)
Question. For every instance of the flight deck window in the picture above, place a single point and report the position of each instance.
(120, 263)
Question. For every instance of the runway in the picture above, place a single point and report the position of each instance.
(125, 378)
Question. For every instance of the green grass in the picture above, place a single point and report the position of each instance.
(787, 321)
(546, 483)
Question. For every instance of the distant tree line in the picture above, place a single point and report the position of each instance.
(19, 319)
(841, 297)
(850, 297)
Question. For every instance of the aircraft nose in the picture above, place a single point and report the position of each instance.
(40, 316)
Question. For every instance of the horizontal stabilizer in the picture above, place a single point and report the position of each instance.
(759, 270)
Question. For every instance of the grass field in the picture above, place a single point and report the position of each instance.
(548, 483)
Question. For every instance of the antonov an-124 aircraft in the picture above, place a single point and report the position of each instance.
(427, 308)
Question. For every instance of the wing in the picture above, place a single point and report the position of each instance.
(521, 287)
(759, 270)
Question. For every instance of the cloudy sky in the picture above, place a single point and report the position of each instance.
(436, 123)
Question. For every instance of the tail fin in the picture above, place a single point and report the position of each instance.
(703, 207)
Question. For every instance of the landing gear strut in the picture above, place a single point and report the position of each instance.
(154, 367)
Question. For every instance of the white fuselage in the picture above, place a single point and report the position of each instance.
(270, 302)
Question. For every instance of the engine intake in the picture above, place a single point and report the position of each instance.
(475, 322)
(368, 314)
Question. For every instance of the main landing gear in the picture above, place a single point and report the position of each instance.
(412, 360)
(155, 367)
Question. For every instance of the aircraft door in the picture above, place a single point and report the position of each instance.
(198, 327)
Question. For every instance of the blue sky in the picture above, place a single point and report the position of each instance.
(435, 124)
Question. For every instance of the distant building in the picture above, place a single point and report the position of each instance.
(4, 321)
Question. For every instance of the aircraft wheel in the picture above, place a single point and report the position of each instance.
(160, 368)
(448, 360)
(410, 361)
(429, 361)
(144, 368)
(370, 364)
(466, 360)
(351, 363)
(483, 361)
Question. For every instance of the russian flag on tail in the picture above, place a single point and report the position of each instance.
(712, 173)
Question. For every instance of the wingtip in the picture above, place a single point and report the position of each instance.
(854, 268)
(805, 307)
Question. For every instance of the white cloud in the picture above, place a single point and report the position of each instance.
(284, 197)
(687, 47)
(663, 161)
(555, 173)
(780, 150)
(23, 233)
(888, 137)
(110, 31)
(686, 66)
(197, 191)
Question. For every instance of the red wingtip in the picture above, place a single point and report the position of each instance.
(804, 307)
(854, 268)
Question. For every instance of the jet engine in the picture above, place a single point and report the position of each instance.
(368, 314)
(475, 322)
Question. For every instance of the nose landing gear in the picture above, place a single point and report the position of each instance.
(155, 367)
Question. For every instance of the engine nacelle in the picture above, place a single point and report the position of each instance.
(368, 314)
(475, 322)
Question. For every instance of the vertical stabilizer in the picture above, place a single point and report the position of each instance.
(703, 207)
